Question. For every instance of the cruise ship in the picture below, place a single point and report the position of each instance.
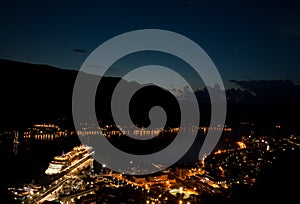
(70, 160)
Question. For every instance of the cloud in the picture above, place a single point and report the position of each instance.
(99, 67)
(192, 2)
(78, 50)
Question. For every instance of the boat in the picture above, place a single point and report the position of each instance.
(70, 160)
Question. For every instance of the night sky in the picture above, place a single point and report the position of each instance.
(247, 40)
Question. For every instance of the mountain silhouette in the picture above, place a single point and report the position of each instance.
(35, 92)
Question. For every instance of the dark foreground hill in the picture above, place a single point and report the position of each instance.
(31, 93)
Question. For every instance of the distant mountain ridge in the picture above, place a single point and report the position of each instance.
(34, 93)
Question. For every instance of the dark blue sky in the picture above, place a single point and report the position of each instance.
(257, 40)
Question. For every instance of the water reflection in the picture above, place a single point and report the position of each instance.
(45, 132)
(16, 142)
